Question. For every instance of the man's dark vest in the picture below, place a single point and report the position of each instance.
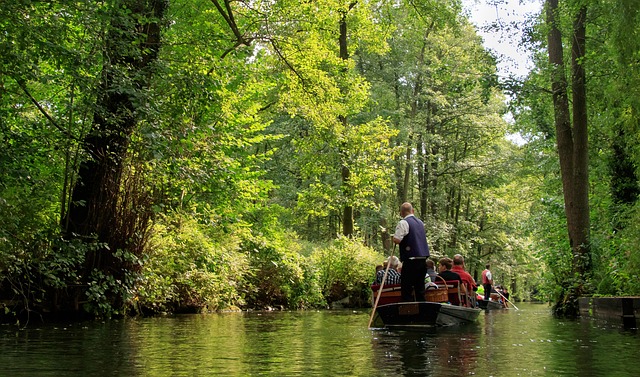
(414, 244)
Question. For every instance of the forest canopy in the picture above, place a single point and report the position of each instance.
(189, 155)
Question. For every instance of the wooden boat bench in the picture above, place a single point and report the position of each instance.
(457, 292)
(390, 293)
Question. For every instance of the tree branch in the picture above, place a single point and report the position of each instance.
(23, 86)
(286, 62)
(227, 14)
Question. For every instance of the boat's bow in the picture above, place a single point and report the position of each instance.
(409, 314)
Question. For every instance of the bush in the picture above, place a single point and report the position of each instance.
(190, 267)
(280, 276)
(346, 268)
(621, 259)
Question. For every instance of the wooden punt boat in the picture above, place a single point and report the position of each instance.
(444, 306)
(490, 305)
(495, 303)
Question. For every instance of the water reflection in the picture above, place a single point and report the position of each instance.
(451, 351)
(529, 342)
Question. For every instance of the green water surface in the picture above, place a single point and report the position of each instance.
(525, 342)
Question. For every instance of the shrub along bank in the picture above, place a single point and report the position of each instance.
(192, 267)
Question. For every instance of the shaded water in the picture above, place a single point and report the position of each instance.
(528, 342)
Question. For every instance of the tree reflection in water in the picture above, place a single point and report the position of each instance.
(528, 342)
(442, 351)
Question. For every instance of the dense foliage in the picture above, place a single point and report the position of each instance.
(198, 155)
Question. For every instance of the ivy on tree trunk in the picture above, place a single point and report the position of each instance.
(130, 51)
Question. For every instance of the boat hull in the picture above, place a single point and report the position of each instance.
(408, 314)
(490, 305)
(423, 314)
(451, 315)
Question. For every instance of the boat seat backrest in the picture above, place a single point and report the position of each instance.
(386, 287)
(390, 293)
(456, 291)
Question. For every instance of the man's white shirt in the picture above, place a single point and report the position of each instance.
(402, 229)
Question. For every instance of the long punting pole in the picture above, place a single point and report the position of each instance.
(384, 278)
(507, 300)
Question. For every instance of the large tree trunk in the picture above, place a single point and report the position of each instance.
(416, 106)
(96, 199)
(347, 210)
(406, 175)
(579, 231)
(572, 150)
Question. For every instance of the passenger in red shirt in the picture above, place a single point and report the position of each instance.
(467, 279)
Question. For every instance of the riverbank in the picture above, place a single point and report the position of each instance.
(624, 311)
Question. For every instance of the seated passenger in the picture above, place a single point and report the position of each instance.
(431, 271)
(378, 268)
(393, 276)
(505, 293)
(458, 268)
(456, 297)
(444, 268)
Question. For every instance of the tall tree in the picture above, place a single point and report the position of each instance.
(345, 172)
(336, 148)
(130, 52)
(572, 141)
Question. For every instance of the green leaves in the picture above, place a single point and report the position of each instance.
(248, 128)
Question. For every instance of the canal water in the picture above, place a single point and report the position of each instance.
(525, 342)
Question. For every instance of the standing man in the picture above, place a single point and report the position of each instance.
(414, 251)
(487, 282)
